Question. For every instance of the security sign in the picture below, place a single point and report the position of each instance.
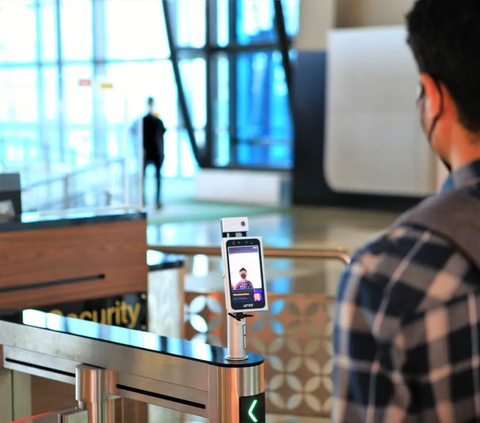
(252, 409)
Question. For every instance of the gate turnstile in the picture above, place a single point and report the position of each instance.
(107, 362)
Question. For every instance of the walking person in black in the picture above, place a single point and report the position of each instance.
(153, 146)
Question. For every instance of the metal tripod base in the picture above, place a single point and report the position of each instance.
(236, 337)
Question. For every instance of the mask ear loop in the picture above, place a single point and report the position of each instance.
(435, 120)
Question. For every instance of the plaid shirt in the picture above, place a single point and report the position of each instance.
(407, 325)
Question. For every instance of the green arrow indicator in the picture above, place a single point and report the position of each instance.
(250, 411)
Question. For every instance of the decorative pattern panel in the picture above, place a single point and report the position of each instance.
(295, 337)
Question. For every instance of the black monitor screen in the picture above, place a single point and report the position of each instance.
(10, 194)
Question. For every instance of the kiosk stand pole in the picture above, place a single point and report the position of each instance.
(236, 336)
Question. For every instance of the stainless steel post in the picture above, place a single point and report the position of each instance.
(15, 395)
(95, 391)
(237, 394)
(236, 337)
(6, 393)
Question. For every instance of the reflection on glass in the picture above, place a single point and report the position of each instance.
(135, 29)
(176, 346)
(200, 265)
(54, 322)
(18, 31)
(146, 340)
(190, 23)
(76, 29)
(153, 257)
(223, 35)
(34, 318)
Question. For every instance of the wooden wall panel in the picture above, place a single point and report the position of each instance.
(116, 250)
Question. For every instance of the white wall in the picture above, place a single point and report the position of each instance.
(374, 143)
(317, 17)
(355, 13)
(243, 187)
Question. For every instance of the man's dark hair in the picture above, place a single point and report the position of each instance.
(445, 39)
(243, 268)
(150, 100)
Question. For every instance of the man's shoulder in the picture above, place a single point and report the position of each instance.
(406, 269)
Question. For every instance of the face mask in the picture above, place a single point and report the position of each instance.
(421, 102)
(243, 275)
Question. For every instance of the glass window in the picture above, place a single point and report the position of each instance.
(221, 110)
(223, 32)
(51, 144)
(221, 98)
(188, 164)
(135, 29)
(48, 34)
(76, 29)
(80, 147)
(170, 165)
(18, 31)
(255, 21)
(141, 80)
(50, 93)
(264, 127)
(291, 12)
(222, 148)
(78, 94)
(193, 73)
(19, 98)
(191, 20)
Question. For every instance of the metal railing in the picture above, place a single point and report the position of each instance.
(66, 195)
(270, 252)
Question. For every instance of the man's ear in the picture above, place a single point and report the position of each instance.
(433, 99)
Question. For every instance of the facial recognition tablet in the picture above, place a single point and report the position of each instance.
(245, 288)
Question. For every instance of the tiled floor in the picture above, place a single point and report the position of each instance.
(299, 226)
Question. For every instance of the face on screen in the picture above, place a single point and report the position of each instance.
(245, 274)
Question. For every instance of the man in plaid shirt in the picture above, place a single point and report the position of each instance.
(407, 315)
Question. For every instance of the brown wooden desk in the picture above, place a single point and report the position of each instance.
(68, 257)
(54, 259)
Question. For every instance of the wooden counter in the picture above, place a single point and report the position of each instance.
(50, 259)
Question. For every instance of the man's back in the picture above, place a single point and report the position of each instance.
(153, 131)
(406, 337)
(408, 328)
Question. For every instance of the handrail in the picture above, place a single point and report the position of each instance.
(288, 253)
